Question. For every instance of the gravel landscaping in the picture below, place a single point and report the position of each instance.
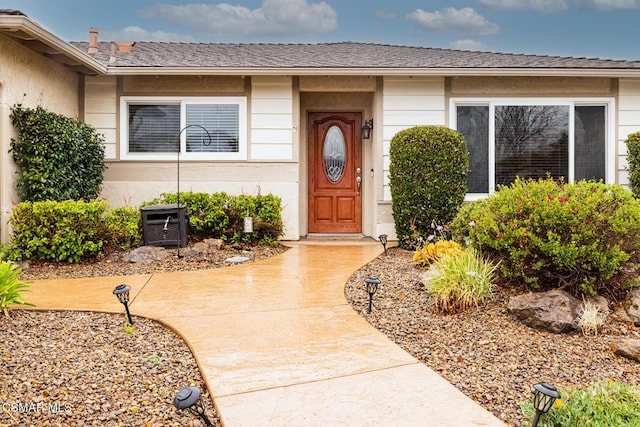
(86, 369)
(484, 352)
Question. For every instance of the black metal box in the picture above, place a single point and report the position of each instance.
(164, 225)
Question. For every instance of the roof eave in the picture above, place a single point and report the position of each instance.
(361, 71)
(11, 25)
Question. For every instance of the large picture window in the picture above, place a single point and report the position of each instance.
(534, 138)
(197, 128)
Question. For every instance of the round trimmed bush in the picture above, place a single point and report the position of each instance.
(633, 158)
(428, 178)
(581, 237)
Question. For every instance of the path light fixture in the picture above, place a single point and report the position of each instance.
(383, 242)
(372, 288)
(544, 396)
(122, 292)
(367, 128)
(188, 400)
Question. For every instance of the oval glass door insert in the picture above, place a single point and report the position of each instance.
(335, 153)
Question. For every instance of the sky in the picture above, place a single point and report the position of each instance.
(579, 28)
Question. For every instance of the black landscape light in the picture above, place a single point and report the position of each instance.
(383, 242)
(122, 292)
(188, 400)
(544, 396)
(372, 288)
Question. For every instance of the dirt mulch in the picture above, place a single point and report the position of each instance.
(484, 352)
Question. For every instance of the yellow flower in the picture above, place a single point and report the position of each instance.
(558, 404)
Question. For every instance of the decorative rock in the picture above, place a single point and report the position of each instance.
(145, 255)
(633, 308)
(216, 244)
(629, 348)
(554, 311)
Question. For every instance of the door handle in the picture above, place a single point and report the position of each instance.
(358, 182)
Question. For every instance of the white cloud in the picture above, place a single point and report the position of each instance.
(546, 6)
(610, 4)
(275, 17)
(468, 44)
(464, 21)
(134, 33)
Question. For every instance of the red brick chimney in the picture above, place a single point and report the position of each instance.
(93, 41)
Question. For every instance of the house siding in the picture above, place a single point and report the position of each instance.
(28, 78)
(271, 119)
(101, 110)
(408, 102)
(628, 122)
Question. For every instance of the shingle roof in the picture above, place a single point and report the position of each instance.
(333, 55)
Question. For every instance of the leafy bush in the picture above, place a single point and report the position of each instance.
(59, 158)
(221, 215)
(428, 178)
(70, 230)
(432, 252)
(605, 404)
(461, 281)
(11, 287)
(122, 228)
(633, 158)
(549, 234)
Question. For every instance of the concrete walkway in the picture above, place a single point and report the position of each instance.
(278, 344)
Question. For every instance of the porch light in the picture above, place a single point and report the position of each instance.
(188, 400)
(544, 396)
(372, 288)
(367, 128)
(383, 242)
(122, 292)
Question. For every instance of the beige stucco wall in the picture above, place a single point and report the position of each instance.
(32, 80)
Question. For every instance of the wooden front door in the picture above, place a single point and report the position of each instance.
(335, 172)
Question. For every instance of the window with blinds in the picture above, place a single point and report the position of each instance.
(534, 140)
(197, 128)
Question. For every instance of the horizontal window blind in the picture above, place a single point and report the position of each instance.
(154, 128)
(221, 121)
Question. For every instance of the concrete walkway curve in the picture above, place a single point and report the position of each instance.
(278, 344)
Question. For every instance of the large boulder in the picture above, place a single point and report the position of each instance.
(629, 348)
(554, 311)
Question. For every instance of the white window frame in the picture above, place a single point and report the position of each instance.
(241, 101)
(610, 141)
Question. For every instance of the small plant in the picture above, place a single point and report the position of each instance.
(461, 281)
(11, 287)
(432, 252)
(129, 329)
(605, 404)
(590, 318)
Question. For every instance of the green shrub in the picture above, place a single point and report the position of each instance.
(221, 215)
(461, 281)
(56, 231)
(549, 234)
(122, 228)
(605, 404)
(11, 287)
(633, 158)
(59, 158)
(428, 178)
